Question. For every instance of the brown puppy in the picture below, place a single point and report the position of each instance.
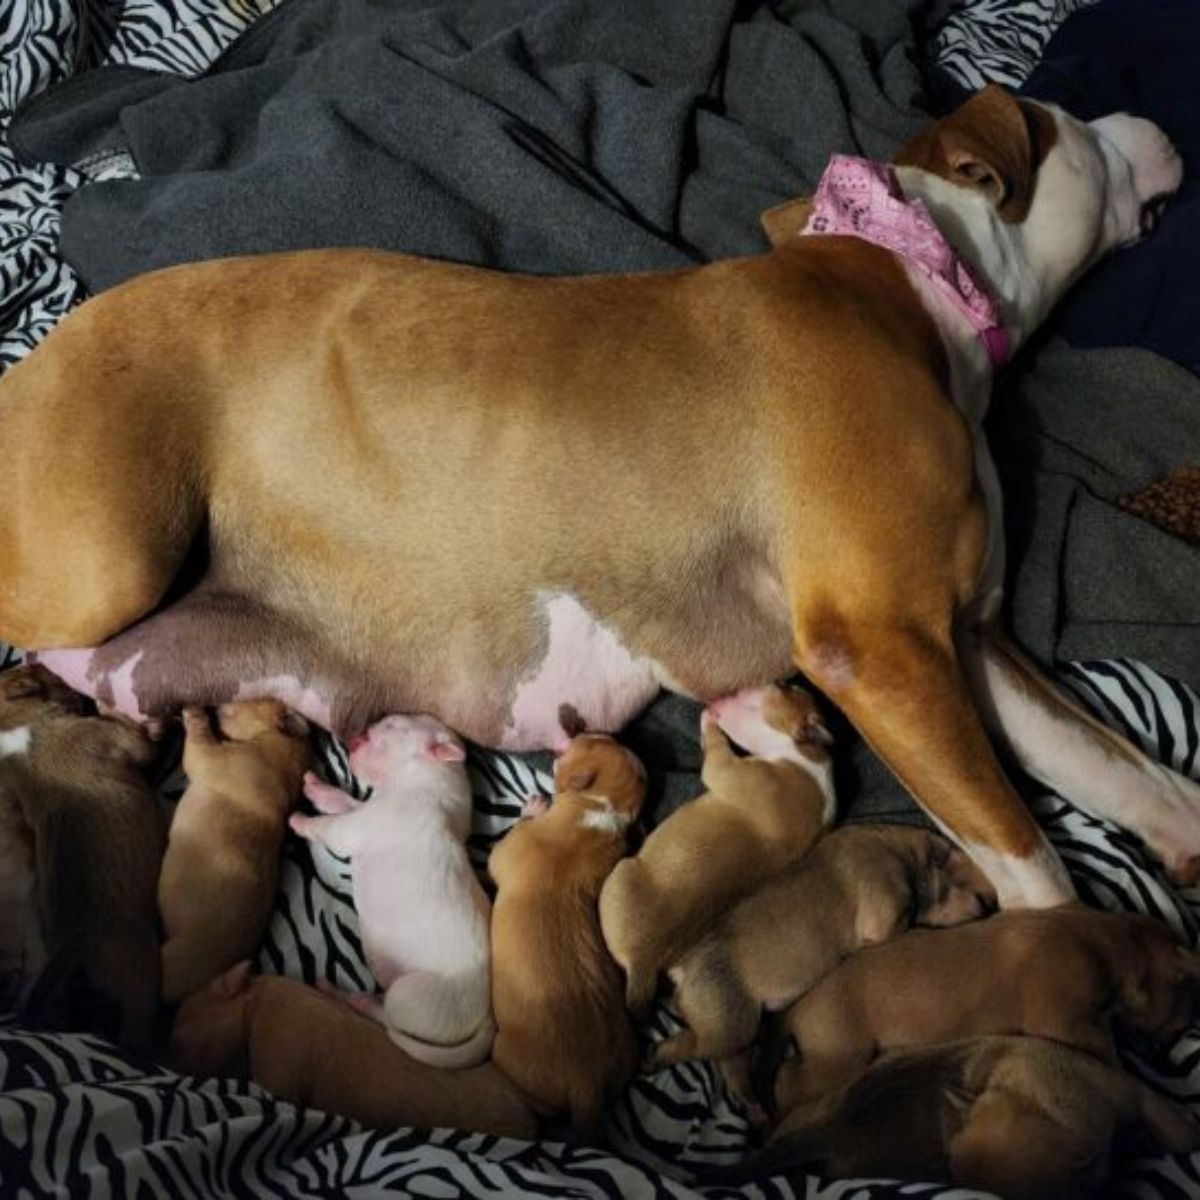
(860, 885)
(1026, 1118)
(22, 947)
(563, 1034)
(98, 837)
(222, 862)
(316, 1051)
(1056, 973)
(758, 815)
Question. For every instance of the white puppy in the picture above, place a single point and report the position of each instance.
(423, 914)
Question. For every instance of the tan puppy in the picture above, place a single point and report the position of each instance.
(98, 837)
(1055, 973)
(758, 815)
(314, 1050)
(1026, 1118)
(563, 1034)
(860, 885)
(222, 862)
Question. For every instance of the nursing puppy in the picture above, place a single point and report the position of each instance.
(860, 885)
(563, 1035)
(1055, 973)
(1025, 1118)
(22, 947)
(423, 914)
(313, 1050)
(222, 863)
(758, 815)
(98, 837)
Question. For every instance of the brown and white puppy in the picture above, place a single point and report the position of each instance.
(98, 836)
(221, 868)
(563, 1035)
(314, 1050)
(1060, 973)
(22, 947)
(860, 885)
(757, 815)
(1025, 1118)
(804, 427)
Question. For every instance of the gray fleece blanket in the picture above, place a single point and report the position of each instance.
(601, 135)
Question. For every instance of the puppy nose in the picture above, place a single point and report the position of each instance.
(356, 742)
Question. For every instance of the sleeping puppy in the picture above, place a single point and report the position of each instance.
(98, 836)
(423, 915)
(1025, 1118)
(860, 885)
(757, 815)
(222, 863)
(563, 1035)
(314, 1050)
(1056, 973)
(22, 947)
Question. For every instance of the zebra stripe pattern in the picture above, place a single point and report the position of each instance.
(76, 1118)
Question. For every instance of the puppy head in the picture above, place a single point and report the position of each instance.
(402, 745)
(949, 888)
(1060, 192)
(600, 766)
(774, 722)
(30, 687)
(209, 1034)
(250, 719)
(1160, 981)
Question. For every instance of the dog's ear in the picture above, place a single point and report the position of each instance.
(444, 749)
(22, 683)
(786, 221)
(985, 144)
(234, 982)
(292, 724)
(579, 780)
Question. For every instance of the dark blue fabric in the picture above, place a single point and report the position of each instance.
(1142, 57)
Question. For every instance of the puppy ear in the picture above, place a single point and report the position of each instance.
(442, 749)
(292, 724)
(22, 683)
(787, 220)
(814, 729)
(986, 145)
(570, 720)
(579, 780)
(234, 982)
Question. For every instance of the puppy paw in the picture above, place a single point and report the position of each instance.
(534, 806)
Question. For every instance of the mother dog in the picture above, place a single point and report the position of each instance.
(368, 483)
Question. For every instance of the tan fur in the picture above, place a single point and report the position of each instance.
(222, 863)
(1025, 1118)
(755, 817)
(859, 886)
(99, 839)
(314, 1050)
(563, 1035)
(1058, 973)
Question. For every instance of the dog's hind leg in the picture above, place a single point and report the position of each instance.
(1061, 745)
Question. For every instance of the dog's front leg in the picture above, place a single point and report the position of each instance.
(1061, 745)
(900, 683)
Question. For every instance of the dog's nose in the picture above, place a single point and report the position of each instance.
(359, 740)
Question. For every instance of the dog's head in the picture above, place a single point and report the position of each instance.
(773, 721)
(31, 686)
(600, 766)
(1159, 986)
(399, 746)
(1035, 196)
(948, 887)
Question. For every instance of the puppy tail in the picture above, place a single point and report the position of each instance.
(452, 1057)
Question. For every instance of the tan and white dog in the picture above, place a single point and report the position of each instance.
(406, 485)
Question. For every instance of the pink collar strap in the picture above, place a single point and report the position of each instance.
(862, 199)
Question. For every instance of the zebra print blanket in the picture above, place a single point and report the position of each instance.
(75, 1118)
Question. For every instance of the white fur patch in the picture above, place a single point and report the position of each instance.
(15, 741)
(606, 820)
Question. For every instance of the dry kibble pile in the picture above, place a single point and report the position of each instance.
(1173, 503)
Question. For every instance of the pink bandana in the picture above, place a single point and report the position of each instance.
(862, 199)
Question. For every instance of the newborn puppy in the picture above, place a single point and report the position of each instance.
(22, 947)
(1059, 973)
(860, 885)
(423, 914)
(314, 1050)
(758, 815)
(98, 837)
(222, 863)
(563, 1034)
(1022, 1117)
